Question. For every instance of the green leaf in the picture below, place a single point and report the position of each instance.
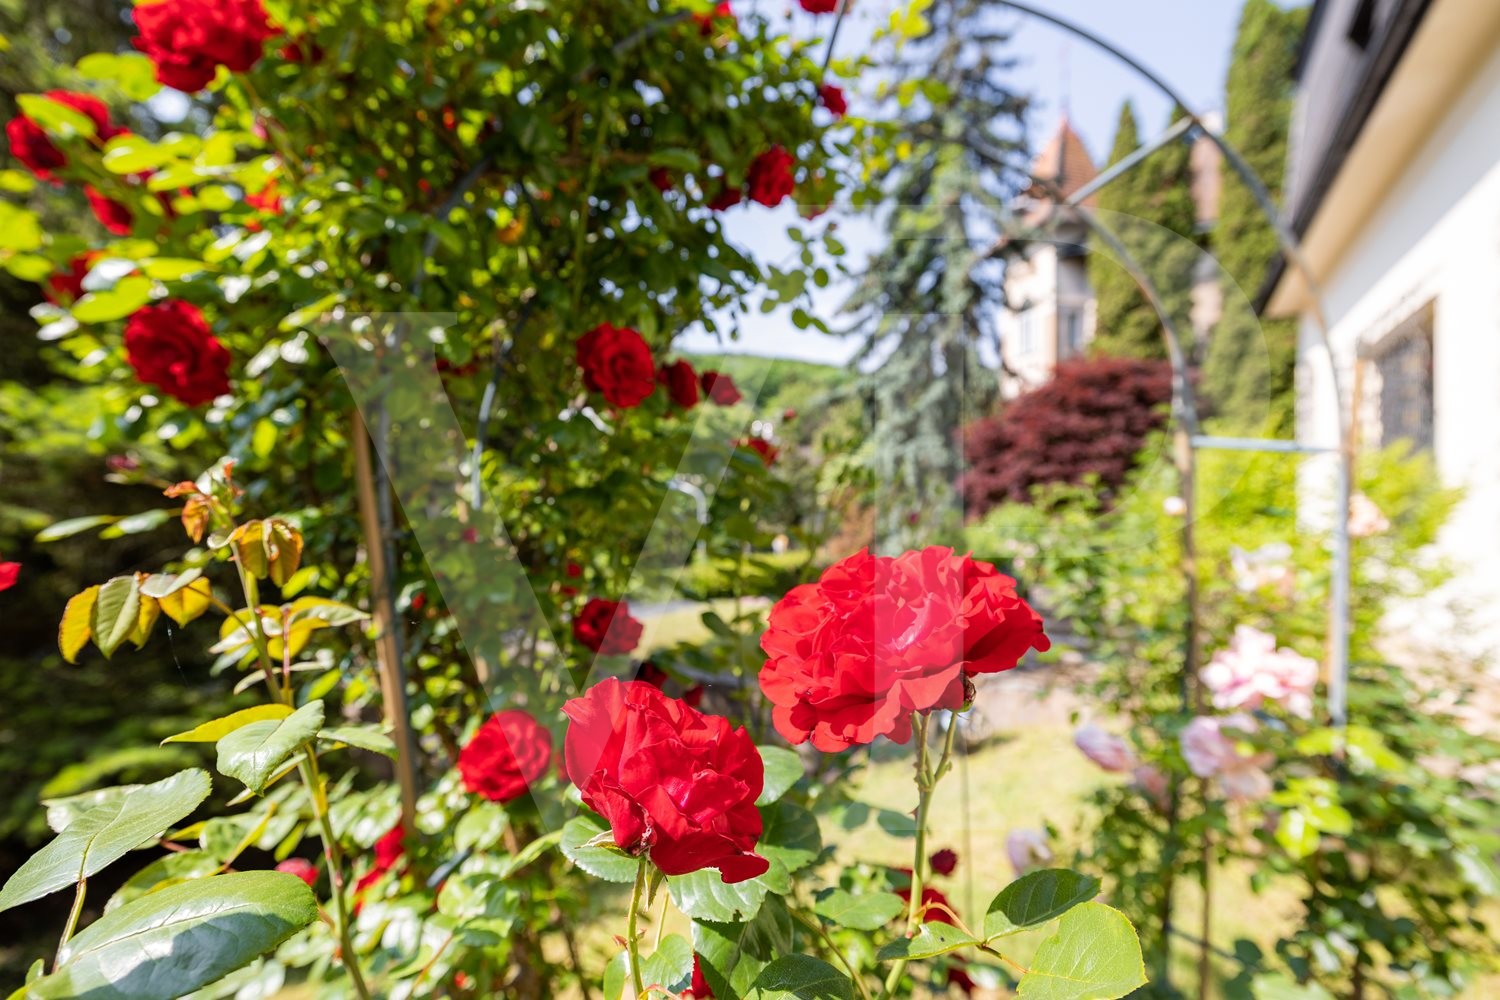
(133, 154)
(20, 231)
(800, 977)
(371, 738)
(171, 268)
(55, 117)
(581, 844)
(213, 732)
(1093, 956)
(732, 955)
(117, 613)
(133, 73)
(180, 939)
(105, 834)
(170, 869)
(931, 939)
(702, 895)
(1036, 898)
(868, 911)
(128, 295)
(72, 526)
(789, 835)
(1296, 834)
(783, 770)
(255, 753)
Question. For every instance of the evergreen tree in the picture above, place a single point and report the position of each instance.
(1151, 210)
(923, 307)
(1250, 363)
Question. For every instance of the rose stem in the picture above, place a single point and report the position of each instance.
(631, 947)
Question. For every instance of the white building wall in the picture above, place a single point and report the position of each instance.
(1434, 238)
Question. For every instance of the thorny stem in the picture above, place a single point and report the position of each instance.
(308, 769)
(631, 946)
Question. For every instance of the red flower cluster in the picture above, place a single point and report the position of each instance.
(171, 347)
(617, 364)
(833, 99)
(67, 286)
(771, 178)
(681, 382)
(507, 755)
(720, 388)
(300, 867)
(189, 40)
(606, 627)
(727, 198)
(765, 449)
(675, 784)
(389, 850)
(660, 178)
(878, 638)
(30, 144)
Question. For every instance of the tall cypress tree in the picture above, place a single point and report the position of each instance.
(1248, 374)
(1151, 209)
(923, 308)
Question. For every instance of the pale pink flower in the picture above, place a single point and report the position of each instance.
(1153, 784)
(1027, 849)
(1266, 568)
(1366, 519)
(1252, 670)
(1210, 753)
(1107, 750)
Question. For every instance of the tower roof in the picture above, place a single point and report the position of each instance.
(1065, 165)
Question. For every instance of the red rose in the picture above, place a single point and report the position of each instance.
(958, 977)
(721, 12)
(681, 382)
(389, 850)
(661, 179)
(675, 785)
(935, 906)
(878, 638)
(9, 571)
(67, 286)
(617, 364)
(720, 388)
(112, 215)
(833, 99)
(508, 753)
(820, 6)
(189, 40)
(300, 867)
(606, 627)
(170, 346)
(30, 143)
(765, 449)
(943, 862)
(266, 201)
(650, 673)
(727, 197)
(770, 177)
(698, 989)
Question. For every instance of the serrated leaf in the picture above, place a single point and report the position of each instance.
(255, 753)
(213, 732)
(789, 835)
(76, 627)
(105, 834)
(869, 911)
(579, 834)
(732, 955)
(1036, 898)
(116, 613)
(931, 940)
(181, 938)
(783, 769)
(1093, 956)
(800, 977)
(703, 895)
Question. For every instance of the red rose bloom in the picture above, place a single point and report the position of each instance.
(67, 286)
(675, 785)
(681, 382)
(390, 848)
(878, 638)
(650, 673)
(660, 178)
(944, 861)
(698, 989)
(770, 177)
(508, 753)
(300, 867)
(721, 12)
(617, 364)
(727, 198)
(189, 40)
(765, 449)
(171, 347)
(833, 99)
(267, 200)
(606, 627)
(935, 906)
(720, 388)
(820, 6)
(9, 571)
(31, 144)
(693, 696)
(112, 215)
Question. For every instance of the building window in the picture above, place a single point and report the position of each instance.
(1403, 362)
(1028, 332)
(1072, 332)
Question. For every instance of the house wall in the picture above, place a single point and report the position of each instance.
(1435, 238)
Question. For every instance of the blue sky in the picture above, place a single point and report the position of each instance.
(1185, 41)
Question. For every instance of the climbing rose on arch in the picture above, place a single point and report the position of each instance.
(189, 40)
(681, 382)
(675, 785)
(720, 388)
(171, 347)
(617, 364)
(849, 658)
(508, 753)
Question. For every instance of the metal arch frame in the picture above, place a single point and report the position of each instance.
(1184, 408)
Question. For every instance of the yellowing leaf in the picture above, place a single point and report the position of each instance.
(74, 631)
(145, 621)
(212, 732)
(186, 603)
